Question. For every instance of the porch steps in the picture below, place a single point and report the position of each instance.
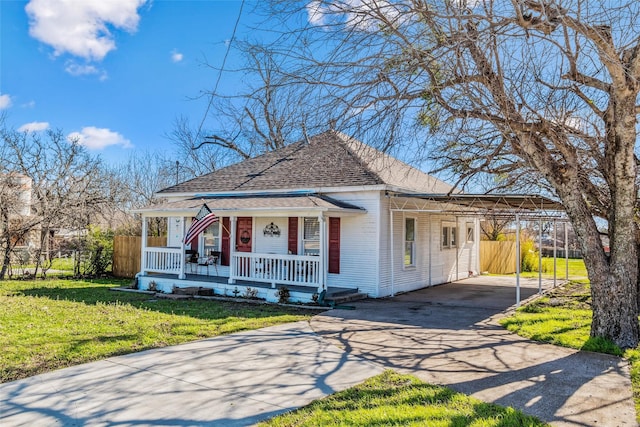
(344, 295)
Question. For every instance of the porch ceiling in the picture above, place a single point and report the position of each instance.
(254, 204)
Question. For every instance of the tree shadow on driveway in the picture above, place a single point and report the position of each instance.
(455, 340)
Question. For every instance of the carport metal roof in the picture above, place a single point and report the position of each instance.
(525, 205)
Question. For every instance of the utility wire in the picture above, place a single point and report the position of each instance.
(224, 61)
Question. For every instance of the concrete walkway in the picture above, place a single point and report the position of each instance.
(233, 380)
(449, 335)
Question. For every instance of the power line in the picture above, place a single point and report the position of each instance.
(224, 61)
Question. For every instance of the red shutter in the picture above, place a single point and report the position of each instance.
(334, 245)
(226, 248)
(293, 235)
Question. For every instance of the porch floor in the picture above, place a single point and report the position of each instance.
(332, 291)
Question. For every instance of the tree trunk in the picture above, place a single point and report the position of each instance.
(614, 281)
(6, 259)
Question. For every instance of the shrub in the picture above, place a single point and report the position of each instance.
(283, 295)
(529, 257)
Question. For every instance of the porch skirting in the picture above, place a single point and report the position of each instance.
(220, 285)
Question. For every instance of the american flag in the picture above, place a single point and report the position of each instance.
(203, 219)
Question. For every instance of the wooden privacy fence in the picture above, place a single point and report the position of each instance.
(497, 257)
(127, 251)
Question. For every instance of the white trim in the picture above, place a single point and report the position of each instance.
(450, 225)
(255, 212)
(414, 250)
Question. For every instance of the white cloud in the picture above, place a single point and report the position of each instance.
(176, 56)
(34, 127)
(5, 101)
(76, 69)
(81, 27)
(30, 104)
(98, 138)
(316, 13)
(362, 15)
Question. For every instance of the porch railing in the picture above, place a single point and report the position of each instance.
(162, 260)
(272, 268)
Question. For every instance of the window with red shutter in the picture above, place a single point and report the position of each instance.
(226, 247)
(334, 245)
(293, 236)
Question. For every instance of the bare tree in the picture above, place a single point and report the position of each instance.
(270, 112)
(141, 177)
(493, 226)
(542, 90)
(66, 187)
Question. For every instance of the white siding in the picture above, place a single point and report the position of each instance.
(359, 254)
(270, 244)
(434, 264)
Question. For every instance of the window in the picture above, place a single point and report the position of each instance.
(470, 232)
(211, 239)
(449, 235)
(409, 242)
(311, 237)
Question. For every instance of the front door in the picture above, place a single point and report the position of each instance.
(243, 234)
(243, 243)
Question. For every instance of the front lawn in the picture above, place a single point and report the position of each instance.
(391, 399)
(563, 317)
(577, 269)
(50, 324)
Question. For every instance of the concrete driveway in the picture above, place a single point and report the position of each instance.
(449, 335)
(233, 380)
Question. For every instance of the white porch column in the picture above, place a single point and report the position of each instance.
(182, 275)
(476, 242)
(324, 253)
(430, 244)
(566, 251)
(518, 261)
(540, 256)
(391, 249)
(143, 258)
(232, 249)
(555, 253)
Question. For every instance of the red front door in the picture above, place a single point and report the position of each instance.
(243, 244)
(243, 234)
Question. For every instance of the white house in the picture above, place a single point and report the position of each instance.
(328, 213)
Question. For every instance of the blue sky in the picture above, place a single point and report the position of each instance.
(114, 73)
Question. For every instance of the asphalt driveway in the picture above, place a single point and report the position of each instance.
(449, 335)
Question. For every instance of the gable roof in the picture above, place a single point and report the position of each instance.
(327, 160)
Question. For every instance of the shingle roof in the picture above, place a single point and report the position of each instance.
(328, 160)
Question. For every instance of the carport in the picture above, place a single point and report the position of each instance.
(515, 207)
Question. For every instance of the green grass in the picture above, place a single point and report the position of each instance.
(563, 317)
(577, 269)
(49, 324)
(391, 399)
(62, 264)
